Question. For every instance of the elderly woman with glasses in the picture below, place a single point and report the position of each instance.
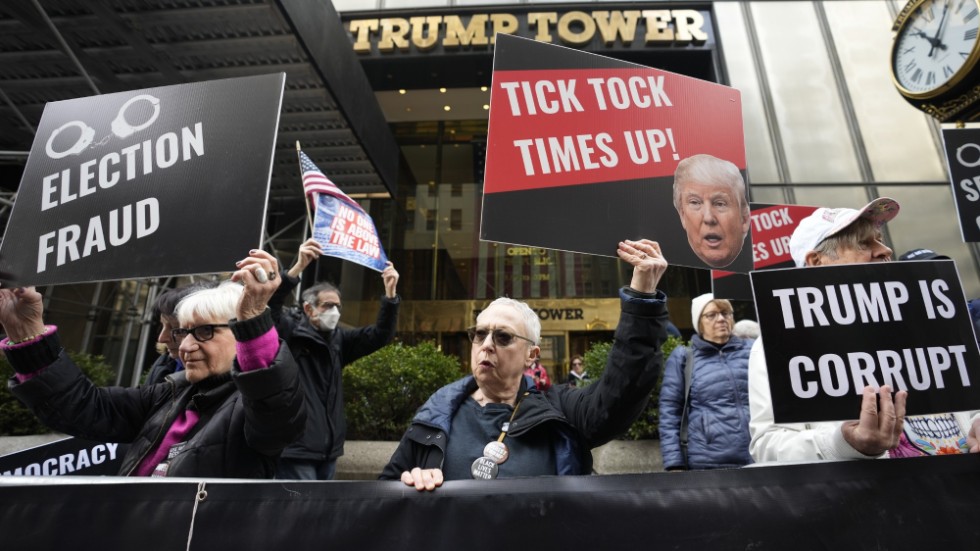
(704, 400)
(495, 423)
(229, 413)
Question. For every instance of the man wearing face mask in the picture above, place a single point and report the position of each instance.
(321, 350)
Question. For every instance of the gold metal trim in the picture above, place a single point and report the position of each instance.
(958, 77)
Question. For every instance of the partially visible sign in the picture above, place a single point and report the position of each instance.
(69, 456)
(772, 226)
(830, 331)
(582, 153)
(963, 159)
(153, 182)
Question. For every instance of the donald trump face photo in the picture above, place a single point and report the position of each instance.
(709, 195)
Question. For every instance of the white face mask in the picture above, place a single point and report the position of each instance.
(328, 320)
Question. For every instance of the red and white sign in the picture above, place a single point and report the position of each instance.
(582, 151)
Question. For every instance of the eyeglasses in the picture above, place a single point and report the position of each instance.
(713, 315)
(202, 333)
(328, 305)
(501, 338)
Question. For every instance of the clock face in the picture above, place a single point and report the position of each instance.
(935, 48)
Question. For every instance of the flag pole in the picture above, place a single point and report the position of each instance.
(309, 215)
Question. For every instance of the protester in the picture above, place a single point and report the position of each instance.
(973, 305)
(539, 375)
(939, 433)
(322, 349)
(577, 374)
(706, 407)
(164, 310)
(237, 405)
(494, 423)
(922, 254)
(709, 195)
(746, 329)
(828, 237)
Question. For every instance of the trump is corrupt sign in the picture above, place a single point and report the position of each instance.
(582, 152)
(829, 331)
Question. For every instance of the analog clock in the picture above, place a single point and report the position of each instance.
(936, 50)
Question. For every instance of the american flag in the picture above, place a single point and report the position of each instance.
(315, 181)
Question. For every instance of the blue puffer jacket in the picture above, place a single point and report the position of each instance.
(718, 427)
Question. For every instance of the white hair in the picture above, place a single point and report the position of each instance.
(746, 329)
(532, 324)
(707, 168)
(218, 305)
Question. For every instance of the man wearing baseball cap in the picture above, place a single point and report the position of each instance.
(827, 237)
(923, 254)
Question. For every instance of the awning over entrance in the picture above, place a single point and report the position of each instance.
(60, 49)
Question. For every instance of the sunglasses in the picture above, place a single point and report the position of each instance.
(202, 333)
(501, 338)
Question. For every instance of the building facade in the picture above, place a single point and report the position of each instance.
(823, 125)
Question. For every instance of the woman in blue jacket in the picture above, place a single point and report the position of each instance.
(717, 403)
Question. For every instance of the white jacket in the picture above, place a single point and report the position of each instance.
(799, 441)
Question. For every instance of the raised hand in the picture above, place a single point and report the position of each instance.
(21, 313)
(258, 272)
(309, 251)
(390, 277)
(648, 263)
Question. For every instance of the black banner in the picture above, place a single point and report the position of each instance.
(153, 182)
(830, 331)
(963, 159)
(919, 503)
(69, 456)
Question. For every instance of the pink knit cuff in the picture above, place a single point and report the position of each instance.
(258, 352)
(5, 344)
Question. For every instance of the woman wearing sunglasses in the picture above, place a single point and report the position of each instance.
(494, 423)
(229, 413)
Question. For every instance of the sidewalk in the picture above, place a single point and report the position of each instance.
(364, 460)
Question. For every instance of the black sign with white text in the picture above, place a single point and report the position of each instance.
(963, 158)
(830, 331)
(69, 456)
(154, 182)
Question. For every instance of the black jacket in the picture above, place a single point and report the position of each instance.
(578, 419)
(321, 358)
(163, 366)
(246, 419)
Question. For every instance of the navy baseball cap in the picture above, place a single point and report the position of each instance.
(922, 254)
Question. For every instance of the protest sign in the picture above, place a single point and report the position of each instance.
(154, 182)
(772, 226)
(582, 151)
(68, 456)
(963, 159)
(341, 227)
(831, 330)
